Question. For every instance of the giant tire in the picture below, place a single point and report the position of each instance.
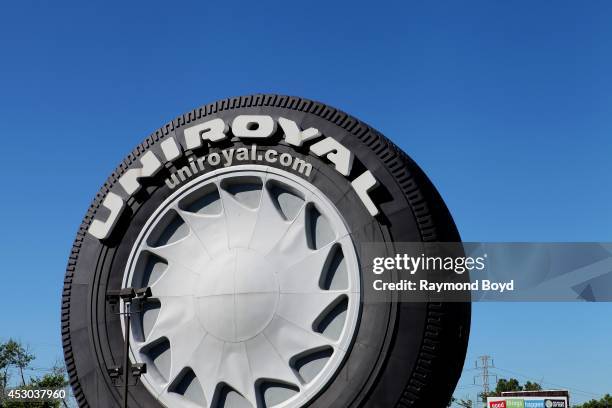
(402, 354)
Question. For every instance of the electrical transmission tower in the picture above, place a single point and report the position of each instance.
(484, 363)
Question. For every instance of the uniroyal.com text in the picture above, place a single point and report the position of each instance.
(227, 157)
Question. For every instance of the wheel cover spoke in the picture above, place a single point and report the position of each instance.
(303, 309)
(174, 320)
(270, 224)
(186, 252)
(301, 276)
(290, 339)
(239, 220)
(177, 280)
(235, 371)
(266, 362)
(207, 368)
(209, 229)
(245, 293)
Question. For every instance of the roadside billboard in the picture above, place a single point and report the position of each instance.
(527, 402)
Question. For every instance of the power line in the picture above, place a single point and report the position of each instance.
(484, 363)
(463, 387)
(592, 394)
(40, 369)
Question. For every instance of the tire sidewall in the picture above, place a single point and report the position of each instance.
(97, 341)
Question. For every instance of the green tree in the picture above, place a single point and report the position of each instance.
(529, 386)
(56, 379)
(4, 368)
(465, 403)
(20, 357)
(512, 384)
(15, 356)
(13, 353)
(504, 385)
(604, 402)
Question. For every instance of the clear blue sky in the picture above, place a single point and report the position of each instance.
(506, 105)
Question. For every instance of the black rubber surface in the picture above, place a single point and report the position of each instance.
(404, 354)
